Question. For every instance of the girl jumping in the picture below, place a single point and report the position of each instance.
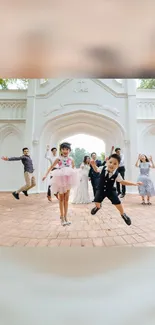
(64, 178)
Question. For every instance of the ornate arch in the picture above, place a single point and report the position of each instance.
(7, 129)
(147, 129)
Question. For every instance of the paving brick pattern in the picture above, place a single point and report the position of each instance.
(33, 221)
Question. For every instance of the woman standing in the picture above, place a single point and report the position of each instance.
(81, 192)
(147, 189)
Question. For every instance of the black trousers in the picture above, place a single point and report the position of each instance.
(95, 183)
(49, 189)
(121, 170)
(111, 195)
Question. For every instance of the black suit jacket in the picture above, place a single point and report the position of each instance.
(92, 173)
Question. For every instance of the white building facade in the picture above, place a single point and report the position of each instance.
(49, 112)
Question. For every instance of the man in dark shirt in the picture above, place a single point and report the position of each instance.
(95, 177)
(28, 172)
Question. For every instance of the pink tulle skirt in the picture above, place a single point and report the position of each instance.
(64, 179)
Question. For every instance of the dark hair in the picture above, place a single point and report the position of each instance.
(25, 149)
(147, 160)
(54, 149)
(93, 153)
(115, 156)
(85, 159)
(65, 145)
(117, 149)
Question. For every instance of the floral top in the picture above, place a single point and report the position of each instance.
(64, 162)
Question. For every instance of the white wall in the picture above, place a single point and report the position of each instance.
(11, 172)
(59, 108)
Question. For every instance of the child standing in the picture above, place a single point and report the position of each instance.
(147, 189)
(109, 174)
(64, 178)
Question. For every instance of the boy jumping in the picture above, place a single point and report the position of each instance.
(108, 175)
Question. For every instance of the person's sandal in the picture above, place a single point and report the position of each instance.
(143, 203)
(149, 203)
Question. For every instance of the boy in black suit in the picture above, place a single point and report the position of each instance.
(108, 175)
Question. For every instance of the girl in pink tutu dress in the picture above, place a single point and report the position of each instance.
(63, 179)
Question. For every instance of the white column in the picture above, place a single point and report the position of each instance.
(30, 141)
(131, 127)
(30, 114)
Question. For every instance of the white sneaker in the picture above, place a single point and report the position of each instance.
(68, 223)
(63, 223)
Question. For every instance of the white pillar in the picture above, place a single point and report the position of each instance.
(131, 127)
(30, 115)
(30, 140)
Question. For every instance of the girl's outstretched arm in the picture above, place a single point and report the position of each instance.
(50, 168)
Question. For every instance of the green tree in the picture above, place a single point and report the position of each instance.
(147, 84)
(19, 83)
(78, 155)
(102, 156)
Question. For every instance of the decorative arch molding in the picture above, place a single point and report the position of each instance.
(63, 106)
(97, 125)
(85, 116)
(8, 129)
(148, 129)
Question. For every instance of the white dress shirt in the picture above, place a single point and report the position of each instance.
(122, 161)
(51, 159)
(119, 177)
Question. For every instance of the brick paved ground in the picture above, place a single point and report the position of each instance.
(34, 221)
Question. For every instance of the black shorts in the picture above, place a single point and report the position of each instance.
(112, 196)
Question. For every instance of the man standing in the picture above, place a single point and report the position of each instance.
(51, 159)
(121, 171)
(94, 177)
(28, 172)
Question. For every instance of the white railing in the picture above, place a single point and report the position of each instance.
(12, 110)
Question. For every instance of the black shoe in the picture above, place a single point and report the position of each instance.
(25, 193)
(16, 195)
(94, 210)
(122, 195)
(126, 219)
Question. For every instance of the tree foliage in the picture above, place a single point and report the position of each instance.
(147, 84)
(18, 83)
(79, 153)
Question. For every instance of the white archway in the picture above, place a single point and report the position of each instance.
(82, 121)
(85, 122)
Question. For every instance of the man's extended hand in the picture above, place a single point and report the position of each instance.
(4, 158)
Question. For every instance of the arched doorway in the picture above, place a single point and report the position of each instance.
(85, 122)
